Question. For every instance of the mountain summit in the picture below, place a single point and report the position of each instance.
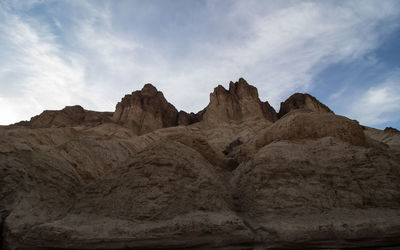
(238, 103)
(147, 110)
(235, 175)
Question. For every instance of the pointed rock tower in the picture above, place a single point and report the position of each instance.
(145, 111)
(236, 104)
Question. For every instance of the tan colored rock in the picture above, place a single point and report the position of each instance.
(315, 175)
(312, 125)
(239, 103)
(302, 101)
(68, 117)
(145, 111)
(322, 190)
(230, 177)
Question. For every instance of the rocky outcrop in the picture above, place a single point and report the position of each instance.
(302, 101)
(302, 124)
(147, 110)
(239, 103)
(229, 177)
(68, 117)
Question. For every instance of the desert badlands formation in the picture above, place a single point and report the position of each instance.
(236, 175)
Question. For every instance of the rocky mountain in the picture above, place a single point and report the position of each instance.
(236, 175)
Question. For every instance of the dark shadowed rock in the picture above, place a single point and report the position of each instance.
(187, 119)
(391, 130)
(302, 101)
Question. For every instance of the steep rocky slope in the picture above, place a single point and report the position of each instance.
(232, 176)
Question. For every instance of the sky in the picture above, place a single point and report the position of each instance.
(59, 53)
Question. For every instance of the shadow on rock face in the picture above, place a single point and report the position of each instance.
(232, 176)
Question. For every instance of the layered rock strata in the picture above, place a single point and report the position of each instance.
(232, 176)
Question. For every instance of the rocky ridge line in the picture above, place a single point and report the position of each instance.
(147, 110)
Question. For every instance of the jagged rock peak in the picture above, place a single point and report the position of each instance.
(147, 109)
(242, 89)
(302, 101)
(239, 89)
(238, 103)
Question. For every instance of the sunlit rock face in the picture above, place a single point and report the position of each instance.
(239, 103)
(236, 175)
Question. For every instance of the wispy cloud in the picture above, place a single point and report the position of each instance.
(36, 74)
(95, 53)
(288, 47)
(42, 73)
(379, 104)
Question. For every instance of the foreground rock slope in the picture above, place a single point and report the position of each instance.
(236, 175)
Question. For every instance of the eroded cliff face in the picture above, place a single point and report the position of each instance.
(232, 176)
(239, 103)
(145, 111)
(303, 102)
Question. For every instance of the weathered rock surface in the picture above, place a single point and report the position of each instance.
(232, 176)
(302, 101)
(147, 110)
(303, 124)
(239, 103)
(67, 117)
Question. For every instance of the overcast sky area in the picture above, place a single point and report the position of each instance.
(92, 53)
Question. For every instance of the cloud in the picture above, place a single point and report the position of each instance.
(91, 53)
(41, 73)
(36, 74)
(288, 47)
(379, 104)
(338, 94)
(278, 48)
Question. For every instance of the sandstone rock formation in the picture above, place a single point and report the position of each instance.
(302, 101)
(67, 117)
(232, 176)
(239, 103)
(147, 110)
